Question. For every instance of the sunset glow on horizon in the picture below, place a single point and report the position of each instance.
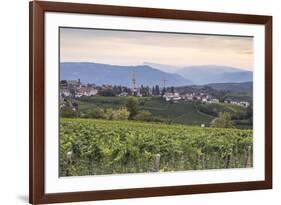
(136, 47)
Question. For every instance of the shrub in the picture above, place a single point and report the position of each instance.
(222, 121)
(132, 105)
(97, 113)
(106, 92)
(144, 116)
(120, 114)
(108, 112)
(68, 112)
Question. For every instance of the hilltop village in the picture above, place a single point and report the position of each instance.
(76, 89)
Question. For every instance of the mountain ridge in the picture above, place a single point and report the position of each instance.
(118, 75)
(206, 74)
(147, 75)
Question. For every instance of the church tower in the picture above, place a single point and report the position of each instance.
(134, 84)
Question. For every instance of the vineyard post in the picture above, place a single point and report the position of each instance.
(69, 162)
(157, 162)
(248, 156)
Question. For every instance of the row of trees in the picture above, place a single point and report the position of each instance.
(108, 114)
(143, 90)
(113, 91)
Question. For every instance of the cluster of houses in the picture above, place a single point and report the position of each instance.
(201, 97)
(240, 103)
(135, 92)
(74, 88)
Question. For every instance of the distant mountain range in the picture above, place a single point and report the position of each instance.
(119, 75)
(207, 74)
(163, 67)
(151, 74)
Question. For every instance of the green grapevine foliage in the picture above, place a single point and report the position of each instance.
(98, 147)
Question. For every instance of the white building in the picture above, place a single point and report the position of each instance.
(198, 97)
(244, 103)
(188, 96)
(214, 100)
(241, 103)
(172, 96)
(65, 92)
(86, 91)
(123, 94)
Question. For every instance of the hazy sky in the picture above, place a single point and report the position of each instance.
(135, 48)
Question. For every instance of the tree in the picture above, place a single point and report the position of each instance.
(120, 114)
(144, 116)
(63, 83)
(172, 89)
(163, 91)
(106, 92)
(222, 121)
(68, 112)
(97, 113)
(72, 92)
(116, 90)
(153, 90)
(157, 90)
(147, 91)
(132, 106)
(142, 91)
(249, 111)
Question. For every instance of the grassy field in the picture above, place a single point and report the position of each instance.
(223, 107)
(183, 112)
(97, 147)
(240, 96)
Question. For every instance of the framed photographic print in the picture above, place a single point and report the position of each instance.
(139, 102)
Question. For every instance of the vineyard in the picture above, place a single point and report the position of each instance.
(182, 112)
(97, 147)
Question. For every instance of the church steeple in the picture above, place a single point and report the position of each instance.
(134, 83)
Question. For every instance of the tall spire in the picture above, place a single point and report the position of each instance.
(164, 82)
(134, 82)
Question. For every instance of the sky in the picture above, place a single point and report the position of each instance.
(134, 48)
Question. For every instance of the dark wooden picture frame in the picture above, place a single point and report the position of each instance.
(37, 193)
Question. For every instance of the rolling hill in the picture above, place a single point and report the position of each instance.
(207, 74)
(163, 67)
(118, 75)
(233, 87)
